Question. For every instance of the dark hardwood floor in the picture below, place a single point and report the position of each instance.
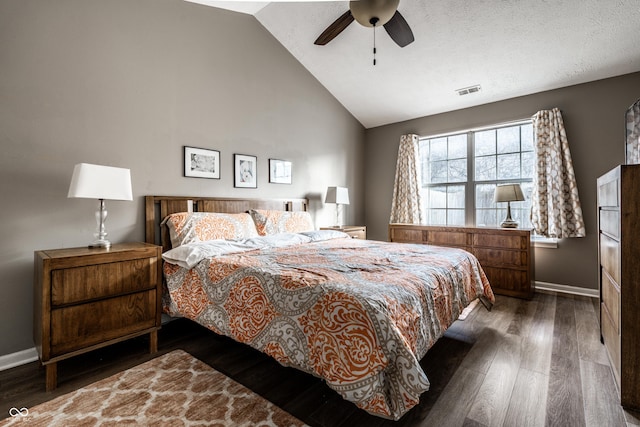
(525, 363)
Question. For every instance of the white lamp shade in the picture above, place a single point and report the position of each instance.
(508, 193)
(100, 182)
(337, 195)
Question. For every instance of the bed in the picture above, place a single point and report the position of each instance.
(358, 313)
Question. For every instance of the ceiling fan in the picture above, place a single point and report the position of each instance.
(371, 13)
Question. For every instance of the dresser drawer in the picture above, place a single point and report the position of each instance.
(502, 240)
(501, 258)
(611, 299)
(86, 283)
(79, 326)
(610, 222)
(610, 257)
(509, 282)
(608, 194)
(448, 238)
(407, 235)
(611, 339)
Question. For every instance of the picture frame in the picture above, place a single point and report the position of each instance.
(245, 171)
(201, 163)
(279, 171)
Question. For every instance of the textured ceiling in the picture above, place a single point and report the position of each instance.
(509, 47)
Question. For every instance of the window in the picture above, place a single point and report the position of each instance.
(460, 172)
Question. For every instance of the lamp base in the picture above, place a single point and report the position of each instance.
(101, 243)
(509, 223)
(101, 233)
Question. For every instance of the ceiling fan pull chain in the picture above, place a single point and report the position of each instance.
(374, 21)
(374, 45)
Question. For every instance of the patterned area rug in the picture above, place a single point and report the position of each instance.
(175, 389)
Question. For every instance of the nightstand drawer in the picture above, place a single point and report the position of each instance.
(357, 234)
(86, 283)
(79, 326)
(355, 231)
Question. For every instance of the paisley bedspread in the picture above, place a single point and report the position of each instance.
(359, 314)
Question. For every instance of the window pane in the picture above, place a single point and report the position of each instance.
(438, 149)
(455, 197)
(438, 172)
(485, 168)
(456, 217)
(486, 218)
(508, 166)
(484, 195)
(437, 197)
(527, 189)
(527, 164)
(522, 215)
(509, 140)
(438, 216)
(485, 142)
(458, 146)
(457, 170)
(526, 132)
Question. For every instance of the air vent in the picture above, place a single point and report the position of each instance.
(468, 90)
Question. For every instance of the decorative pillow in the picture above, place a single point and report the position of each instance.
(270, 222)
(186, 227)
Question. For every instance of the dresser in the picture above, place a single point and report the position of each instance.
(87, 298)
(355, 231)
(506, 255)
(619, 276)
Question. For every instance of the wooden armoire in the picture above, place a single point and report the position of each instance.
(619, 276)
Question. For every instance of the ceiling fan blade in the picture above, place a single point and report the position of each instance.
(399, 30)
(334, 29)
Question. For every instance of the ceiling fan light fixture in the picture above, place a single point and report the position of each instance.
(373, 12)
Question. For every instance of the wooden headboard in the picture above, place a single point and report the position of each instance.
(158, 207)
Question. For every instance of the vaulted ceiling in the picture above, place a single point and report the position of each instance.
(508, 47)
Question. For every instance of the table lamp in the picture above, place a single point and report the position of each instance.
(339, 196)
(102, 183)
(508, 193)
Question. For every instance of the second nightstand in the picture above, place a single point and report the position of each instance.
(355, 231)
(89, 298)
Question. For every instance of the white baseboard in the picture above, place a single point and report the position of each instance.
(18, 358)
(565, 289)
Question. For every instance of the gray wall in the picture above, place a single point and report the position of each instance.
(594, 118)
(127, 83)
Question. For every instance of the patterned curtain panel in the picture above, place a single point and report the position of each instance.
(406, 206)
(555, 206)
(633, 134)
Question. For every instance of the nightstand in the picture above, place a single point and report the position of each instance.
(355, 231)
(87, 298)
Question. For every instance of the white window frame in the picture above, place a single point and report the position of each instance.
(471, 183)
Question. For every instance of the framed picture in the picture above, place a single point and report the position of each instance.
(201, 163)
(279, 171)
(245, 171)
